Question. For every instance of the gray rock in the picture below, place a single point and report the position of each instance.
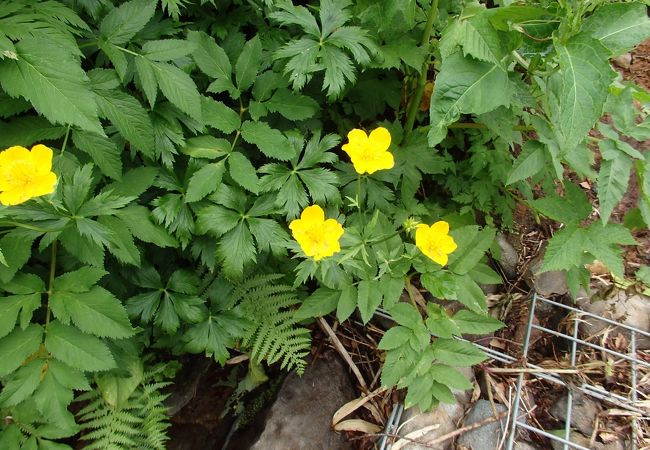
(445, 417)
(525, 446)
(546, 283)
(629, 309)
(301, 417)
(576, 438)
(583, 412)
(488, 436)
(509, 256)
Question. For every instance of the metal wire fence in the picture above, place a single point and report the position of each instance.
(631, 402)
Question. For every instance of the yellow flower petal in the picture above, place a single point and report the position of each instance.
(318, 238)
(380, 139)
(42, 158)
(25, 174)
(435, 242)
(440, 227)
(369, 153)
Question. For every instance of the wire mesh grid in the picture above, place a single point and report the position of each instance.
(631, 402)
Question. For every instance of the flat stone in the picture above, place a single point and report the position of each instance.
(301, 417)
(525, 446)
(575, 437)
(546, 283)
(584, 410)
(629, 309)
(509, 257)
(444, 418)
(488, 436)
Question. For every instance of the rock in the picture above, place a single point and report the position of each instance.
(583, 412)
(524, 446)
(445, 417)
(546, 283)
(575, 437)
(301, 417)
(629, 309)
(623, 61)
(509, 257)
(488, 436)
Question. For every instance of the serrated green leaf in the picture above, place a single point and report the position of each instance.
(123, 22)
(67, 376)
(22, 383)
(248, 63)
(53, 81)
(449, 376)
(320, 303)
(470, 294)
(12, 306)
(405, 314)
(121, 244)
(28, 130)
(564, 249)
(419, 393)
(17, 346)
(206, 147)
(80, 280)
(217, 220)
(211, 59)
(368, 299)
(17, 247)
(52, 400)
(572, 208)
(147, 78)
(103, 152)
(219, 116)
(347, 302)
(391, 289)
(138, 219)
(271, 142)
(619, 26)
(167, 49)
(613, 180)
(79, 350)
(582, 86)
(480, 40)
(465, 86)
(243, 172)
(473, 323)
(472, 245)
(179, 88)
(440, 284)
(204, 181)
(291, 105)
(459, 353)
(395, 337)
(530, 162)
(236, 250)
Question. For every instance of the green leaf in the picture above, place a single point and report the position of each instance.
(133, 183)
(619, 26)
(572, 208)
(457, 353)
(271, 142)
(179, 88)
(53, 81)
(406, 314)
(322, 302)
(206, 147)
(68, 376)
(123, 22)
(27, 130)
(79, 350)
(419, 393)
(347, 302)
(219, 116)
(391, 289)
(483, 274)
(470, 294)
(564, 249)
(52, 400)
(473, 323)
(96, 312)
(368, 299)
(449, 376)
(204, 181)
(530, 162)
(248, 63)
(291, 105)
(12, 306)
(22, 383)
(103, 152)
(472, 245)
(580, 87)
(129, 117)
(210, 337)
(242, 171)
(216, 220)
(613, 180)
(80, 280)
(465, 86)
(441, 284)
(235, 250)
(17, 248)
(17, 346)
(138, 220)
(395, 337)
(480, 40)
(211, 59)
(147, 78)
(167, 49)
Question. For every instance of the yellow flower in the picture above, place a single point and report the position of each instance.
(318, 238)
(369, 153)
(435, 242)
(25, 174)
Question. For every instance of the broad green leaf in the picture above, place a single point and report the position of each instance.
(572, 208)
(465, 86)
(322, 302)
(139, 221)
(481, 40)
(391, 289)
(206, 147)
(470, 294)
(248, 63)
(405, 314)
(269, 235)
(179, 88)
(17, 248)
(167, 49)
(148, 81)
(242, 171)
(219, 116)
(619, 26)
(564, 249)
(68, 376)
(52, 400)
(291, 105)
(53, 81)
(12, 306)
(210, 58)
(347, 303)
(79, 350)
(121, 245)
(441, 284)
(473, 323)
(236, 250)
(123, 22)
(455, 352)
(419, 392)
(212, 337)
(530, 162)
(395, 337)
(613, 180)
(17, 346)
(368, 299)
(216, 220)
(80, 280)
(133, 183)
(582, 86)
(483, 274)
(643, 274)
(271, 142)
(449, 376)
(472, 245)
(130, 118)
(204, 181)
(22, 383)
(28, 130)
(103, 152)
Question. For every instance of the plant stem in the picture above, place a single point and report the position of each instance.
(359, 192)
(50, 284)
(407, 281)
(422, 79)
(65, 140)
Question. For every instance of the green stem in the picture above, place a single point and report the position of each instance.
(50, 284)
(407, 280)
(65, 140)
(422, 79)
(29, 227)
(126, 50)
(359, 192)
